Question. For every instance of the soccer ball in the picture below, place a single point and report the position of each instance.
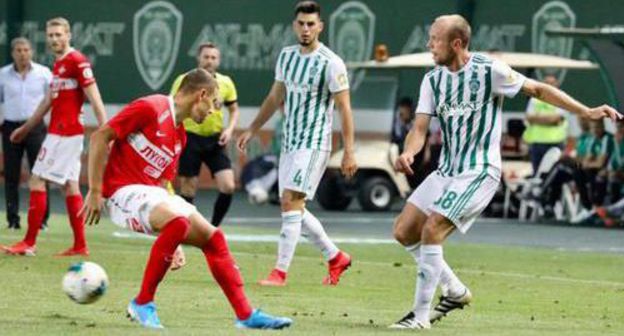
(258, 196)
(85, 282)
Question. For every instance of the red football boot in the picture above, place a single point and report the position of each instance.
(338, 265)
(70, 252)
(20, 248)
(276, 278)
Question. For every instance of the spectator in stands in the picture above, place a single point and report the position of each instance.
(402, 124)
(546, 126)
(403, 119)
(592, 158)
(614, 173)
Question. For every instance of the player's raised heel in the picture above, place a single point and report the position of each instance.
(144, 314)
(448, 304)
(262, 320)
(337, 266)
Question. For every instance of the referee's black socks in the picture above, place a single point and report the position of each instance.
(221, 207)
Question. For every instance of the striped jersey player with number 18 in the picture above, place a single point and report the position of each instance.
(59, 157)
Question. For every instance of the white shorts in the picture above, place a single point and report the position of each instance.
(459, 198)
(130, 206)
(59, 158)
(302, 171)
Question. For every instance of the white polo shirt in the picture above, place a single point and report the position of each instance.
(19, 94)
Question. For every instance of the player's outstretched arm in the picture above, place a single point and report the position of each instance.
(42, 109)
(98, 155)
(414, 143)
(554, 96)
(270, 104)
(343, 103)
(95, 98)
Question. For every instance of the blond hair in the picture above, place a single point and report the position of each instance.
(59, 21)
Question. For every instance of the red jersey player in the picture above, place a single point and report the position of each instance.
(148, 137)
(59, 158)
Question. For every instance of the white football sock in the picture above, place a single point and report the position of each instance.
(316, 234)
(449, 282)
(429, 269)
(291, 229)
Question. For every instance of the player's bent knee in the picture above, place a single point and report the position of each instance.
(201, 230)
(227, 188)
(436, 229)
(399, 231)
(292, 201)
(36, 183)
(187, 186)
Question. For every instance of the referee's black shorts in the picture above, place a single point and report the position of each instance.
(204, 149)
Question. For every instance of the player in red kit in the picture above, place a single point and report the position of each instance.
(59, 157)
(148, 137)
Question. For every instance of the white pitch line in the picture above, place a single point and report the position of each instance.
(274, 239)
(263, 238)
(278, 220)
(542, 277)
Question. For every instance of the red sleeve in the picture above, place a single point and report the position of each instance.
(84, 72)
(132, 118)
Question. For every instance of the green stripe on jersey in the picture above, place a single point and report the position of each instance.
(308, 99)
(292, 114)
(317, 108)
(469, 122)
(483, 116)
(460, 120)
(448, 98)
(488, 135)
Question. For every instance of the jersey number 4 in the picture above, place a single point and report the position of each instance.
(297, 178)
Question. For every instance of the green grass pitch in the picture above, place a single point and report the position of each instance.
(518, 291)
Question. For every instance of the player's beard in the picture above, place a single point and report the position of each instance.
(448, 60)
(304, 43)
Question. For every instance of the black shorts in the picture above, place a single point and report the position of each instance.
(202, 149)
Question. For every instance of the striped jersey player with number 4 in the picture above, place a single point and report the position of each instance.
(59, 157)
(465, 92)
(309, 79)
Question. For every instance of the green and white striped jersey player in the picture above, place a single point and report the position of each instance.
(468, 104)
(310, 81)
(465, 92)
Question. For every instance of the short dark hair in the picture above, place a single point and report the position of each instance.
(308, 7)
(206, 45)
(407, 102)
(198, 79)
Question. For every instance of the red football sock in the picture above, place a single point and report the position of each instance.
(36, 212)
(74, 204)
(225, 272)
(172, 235)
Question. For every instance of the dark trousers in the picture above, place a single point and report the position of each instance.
(13, 154)
(537, 152)
(567, 170)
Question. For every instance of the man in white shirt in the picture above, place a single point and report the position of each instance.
(23, 84)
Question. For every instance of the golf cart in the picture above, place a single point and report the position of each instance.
(376, 184)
